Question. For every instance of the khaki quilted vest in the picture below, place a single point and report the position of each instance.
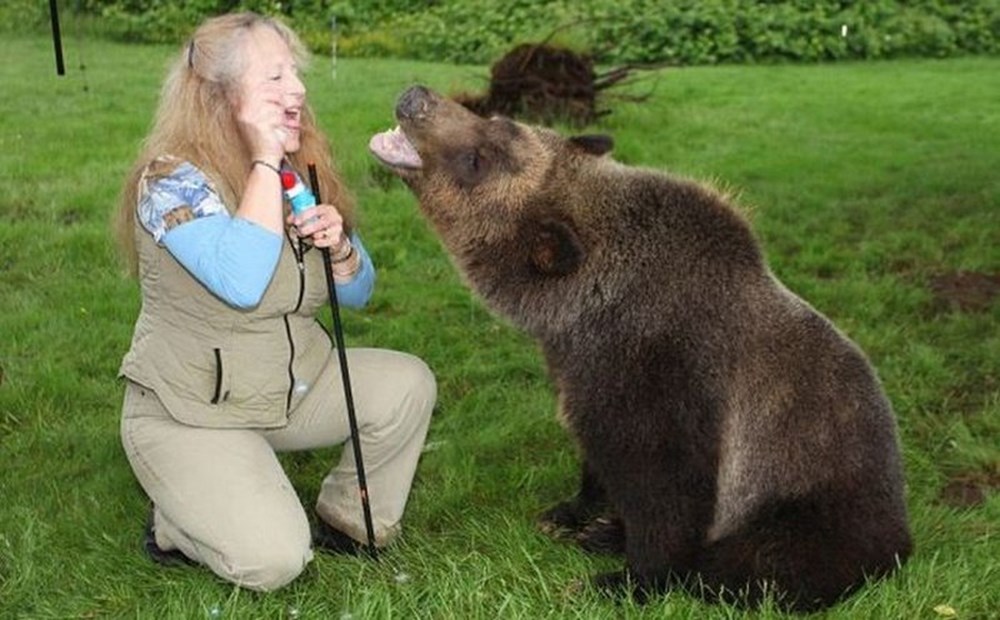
(213, 365)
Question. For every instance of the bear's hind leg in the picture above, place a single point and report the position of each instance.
(806, 553)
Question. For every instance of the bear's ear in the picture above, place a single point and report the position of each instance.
(595, 144)
(555, 249)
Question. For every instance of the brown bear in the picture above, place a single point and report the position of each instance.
(744, 443)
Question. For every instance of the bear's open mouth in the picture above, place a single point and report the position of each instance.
(395, 150)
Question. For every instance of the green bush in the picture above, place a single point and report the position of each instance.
(688, 32)
(726, 31)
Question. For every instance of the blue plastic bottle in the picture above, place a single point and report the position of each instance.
(296, 192)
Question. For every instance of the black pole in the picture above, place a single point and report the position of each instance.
(352, 420)
(56, 37)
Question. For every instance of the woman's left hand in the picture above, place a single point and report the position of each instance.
(322, 224)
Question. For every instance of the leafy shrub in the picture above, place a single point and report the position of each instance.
(614, 31)
(371, 43)
(704, 31)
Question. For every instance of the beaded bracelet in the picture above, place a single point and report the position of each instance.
(345, 257)
(266, 165)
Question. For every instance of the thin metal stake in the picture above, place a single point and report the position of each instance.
(338, 334)
(56, 37)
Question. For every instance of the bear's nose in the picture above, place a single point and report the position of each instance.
(413, 103)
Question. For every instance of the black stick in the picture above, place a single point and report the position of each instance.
(338, 334)
(56, 37)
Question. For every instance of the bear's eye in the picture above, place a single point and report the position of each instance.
(472, 161)
(469, 167)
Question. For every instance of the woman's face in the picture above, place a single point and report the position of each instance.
(270, 64)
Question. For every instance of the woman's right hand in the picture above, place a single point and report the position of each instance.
(260, 115)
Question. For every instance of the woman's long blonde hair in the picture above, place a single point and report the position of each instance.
(196, 122)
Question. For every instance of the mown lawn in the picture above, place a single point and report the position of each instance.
(874, 189)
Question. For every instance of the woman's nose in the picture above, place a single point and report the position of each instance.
(296, 88)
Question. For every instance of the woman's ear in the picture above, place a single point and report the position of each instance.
(594, 144)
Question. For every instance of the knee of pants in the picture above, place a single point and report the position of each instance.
(421, 386)
(267, 565)
(414, 391)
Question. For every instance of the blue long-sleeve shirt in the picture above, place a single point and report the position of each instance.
(231, 256)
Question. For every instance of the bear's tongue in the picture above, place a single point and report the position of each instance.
(394, 149)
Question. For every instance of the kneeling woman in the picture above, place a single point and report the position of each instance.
(228, 364)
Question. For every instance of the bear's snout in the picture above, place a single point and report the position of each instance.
(414, 103)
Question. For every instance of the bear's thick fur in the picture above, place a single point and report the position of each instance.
(743, 441)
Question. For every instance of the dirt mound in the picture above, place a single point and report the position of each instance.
(966, 291)
(970, 488)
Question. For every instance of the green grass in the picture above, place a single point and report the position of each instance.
(865, 181)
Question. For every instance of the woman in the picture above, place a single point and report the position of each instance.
(227, 363)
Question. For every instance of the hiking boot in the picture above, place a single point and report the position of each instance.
(174, 557)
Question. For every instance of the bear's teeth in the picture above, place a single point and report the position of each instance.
(395, 149)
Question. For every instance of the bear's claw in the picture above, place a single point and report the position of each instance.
(602, 533)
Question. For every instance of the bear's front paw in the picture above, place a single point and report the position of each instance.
(623, 584)
(616, 584)
(605, 535)
(562, 521)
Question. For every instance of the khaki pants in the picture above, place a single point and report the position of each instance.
(222, 498)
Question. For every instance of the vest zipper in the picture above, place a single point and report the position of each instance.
(291, 361)
(298, 251)
(302, 284)
(218, 376)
